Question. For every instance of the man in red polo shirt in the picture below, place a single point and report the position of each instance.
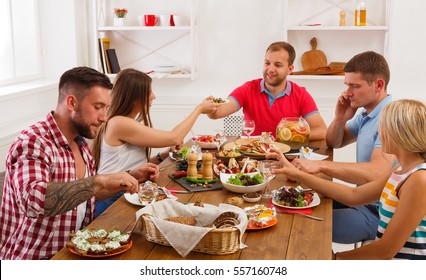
(268, 100)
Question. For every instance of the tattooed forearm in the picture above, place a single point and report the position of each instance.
(62, 197)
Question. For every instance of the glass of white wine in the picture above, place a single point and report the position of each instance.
(265, 169)
(218, 137)
(248, 127)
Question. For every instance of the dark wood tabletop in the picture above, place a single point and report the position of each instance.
(294, 237)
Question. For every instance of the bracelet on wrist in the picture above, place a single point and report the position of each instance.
(159, 157)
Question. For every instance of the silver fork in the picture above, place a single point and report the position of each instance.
(302, 214)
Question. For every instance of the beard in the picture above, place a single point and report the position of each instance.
(275, 81)
(82, 127)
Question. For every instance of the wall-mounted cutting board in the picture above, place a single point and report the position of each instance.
(313, 58)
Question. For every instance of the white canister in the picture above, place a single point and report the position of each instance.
(165, 20)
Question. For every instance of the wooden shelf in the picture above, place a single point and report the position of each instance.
(316, 77)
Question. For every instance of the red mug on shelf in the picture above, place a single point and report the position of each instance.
(151, 20)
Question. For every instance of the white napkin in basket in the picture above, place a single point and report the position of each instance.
(184, 238)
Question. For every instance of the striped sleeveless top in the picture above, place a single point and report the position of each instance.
(415, 247)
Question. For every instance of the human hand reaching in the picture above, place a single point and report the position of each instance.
(146, 171)
(208, 106)
(308, 166)
(106, 185)
(286, 167)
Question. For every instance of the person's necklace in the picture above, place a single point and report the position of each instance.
(411, 166)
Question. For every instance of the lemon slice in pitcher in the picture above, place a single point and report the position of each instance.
(284, 134)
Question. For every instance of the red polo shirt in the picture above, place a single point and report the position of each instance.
(259, 105)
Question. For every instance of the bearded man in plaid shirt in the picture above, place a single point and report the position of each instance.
(50, 183)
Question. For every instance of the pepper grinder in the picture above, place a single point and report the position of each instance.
(207, 161)
(192, 159)
(342, 18)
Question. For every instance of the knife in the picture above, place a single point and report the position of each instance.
(179, 191)
(280, 211)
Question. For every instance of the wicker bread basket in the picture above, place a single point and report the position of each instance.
(216, 242)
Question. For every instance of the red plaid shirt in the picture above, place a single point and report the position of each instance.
(39, 155)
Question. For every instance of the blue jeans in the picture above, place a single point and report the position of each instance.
(102, 205)
(354, 224)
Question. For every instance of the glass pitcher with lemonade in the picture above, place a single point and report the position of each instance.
(293, 131)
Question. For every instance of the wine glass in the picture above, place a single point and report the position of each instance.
(218, 137)
(248, 127)
(147, 192)
(268, 140)
(265, 168)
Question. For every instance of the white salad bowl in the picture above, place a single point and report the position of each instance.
(240, 189)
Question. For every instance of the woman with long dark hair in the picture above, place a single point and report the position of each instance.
(127, 137)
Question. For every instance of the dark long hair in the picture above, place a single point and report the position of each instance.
(130, 86)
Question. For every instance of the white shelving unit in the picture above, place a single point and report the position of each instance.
(305, 19)
(147, 47)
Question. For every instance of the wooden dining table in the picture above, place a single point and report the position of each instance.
(294, 237)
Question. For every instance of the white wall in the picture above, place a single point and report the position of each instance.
(233, 38)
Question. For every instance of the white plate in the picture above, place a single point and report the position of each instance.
(134, 198)
(312, 156)
(315, 202)
(166, 68)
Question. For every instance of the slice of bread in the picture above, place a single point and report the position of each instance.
(226, 219)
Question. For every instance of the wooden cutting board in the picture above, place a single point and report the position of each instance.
(313, 58)
(327, 70)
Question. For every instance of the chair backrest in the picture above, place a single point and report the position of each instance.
(233, 125)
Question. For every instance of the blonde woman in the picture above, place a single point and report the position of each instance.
(402, 208)
(127, 137)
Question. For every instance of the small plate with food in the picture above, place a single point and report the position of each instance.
(205, 141)
(246, 165)
(260, 217)
(98, 243)
(225, 155)
(254, 148)
(252, 197)
(295, 198)
(220, 100)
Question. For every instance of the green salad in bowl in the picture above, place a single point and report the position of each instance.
(243, 182)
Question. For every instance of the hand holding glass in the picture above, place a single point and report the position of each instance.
(265, 169)
(248, 127)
